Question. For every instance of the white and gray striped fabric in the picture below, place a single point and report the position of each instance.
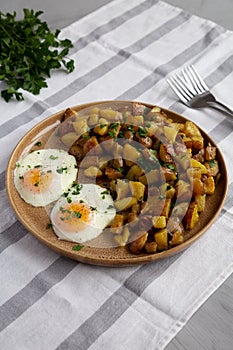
(124, 50)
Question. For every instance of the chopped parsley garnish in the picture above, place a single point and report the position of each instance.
(77, 214)
(21, 177)
(212, 163)
(69, 200)
(60, 170)
(142, 131)
(39, 143)
(38, 166)
(93, 208)
(112, 134)
(114, 126)
(104, 193)
(48, 226)
(53, 157)
(77, 247)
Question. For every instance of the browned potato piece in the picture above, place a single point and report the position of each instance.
(177, 238)
(151, 247)
(130, 154)
(166, 208)
(134, 173)
(196, 164)
(191, 217)
(212, 167)
(122, 188)
(183, 190)
(136, 246)
(93, 171)
(170, 133)
(200, 201)
(210, 152)
(117, 224)
(197, 186)
(152, 176)
(125, 203)
(209, 185)
(137, 189)
(161, 239)
(92, 144)
(159, 221)
(113, 173)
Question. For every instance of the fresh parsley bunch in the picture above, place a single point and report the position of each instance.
(29, 50)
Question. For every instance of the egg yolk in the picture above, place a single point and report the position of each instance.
(36, 180)
(74, 217)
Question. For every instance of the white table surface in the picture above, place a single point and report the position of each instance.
(211, 327)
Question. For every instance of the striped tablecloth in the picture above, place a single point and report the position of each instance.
(124, 50)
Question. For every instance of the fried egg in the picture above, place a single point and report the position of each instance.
(82, 213)
(41, 177)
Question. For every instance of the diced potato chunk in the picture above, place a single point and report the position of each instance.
(122, 189)
(191, 217)
(166, 207)
(81, 126)
(137, 245)
(151, 247)
(130, 153)
(125, 203)
(161, 239)
(170, 133)
(177, 238)
(198, 186)
(200, 201)
(134, 173)
(117, 224)
(93, 171)
(209, 185)
(69, 138)
(137, 189)
(196, 164)
(152, 176)
(159, 221)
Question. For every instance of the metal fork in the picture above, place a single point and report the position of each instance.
(193, 91)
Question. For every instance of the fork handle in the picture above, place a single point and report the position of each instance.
(220, 106)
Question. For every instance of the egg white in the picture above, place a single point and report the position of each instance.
(61, 167)
(92, 196)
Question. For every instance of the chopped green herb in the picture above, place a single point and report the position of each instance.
(38, 166)
(77, 247)
(60, 170)
(212, 163)
(114, 126)
(29, 51)
(142, 131)
(77, 214)
(112, 134)
(53, 157)
(69, 200)
(49, 225)
(81, 201)
(39, 143)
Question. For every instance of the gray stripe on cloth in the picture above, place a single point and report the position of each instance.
(12, 235)
(2, 180)
(115, 22)
(39, 107)
(96, 73)
(34, 290)
(111, 310)
(160, 72)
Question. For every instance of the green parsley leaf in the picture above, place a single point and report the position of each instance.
(29, 50)
(77, 247)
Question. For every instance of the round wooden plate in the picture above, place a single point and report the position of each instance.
(35, 219)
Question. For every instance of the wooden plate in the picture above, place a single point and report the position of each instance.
(35, 219)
